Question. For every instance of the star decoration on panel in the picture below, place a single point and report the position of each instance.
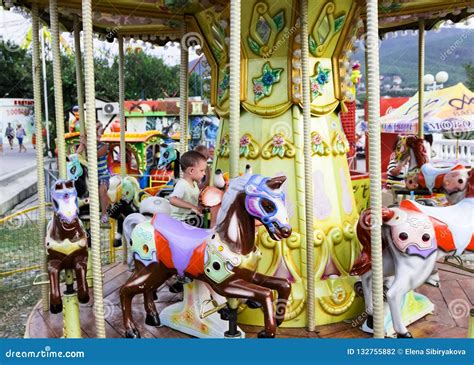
(318, 80)
(262, 86)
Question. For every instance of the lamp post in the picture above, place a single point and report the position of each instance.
(435, 82)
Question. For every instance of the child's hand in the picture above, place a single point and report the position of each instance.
(197, 210)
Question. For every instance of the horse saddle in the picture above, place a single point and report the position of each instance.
(434, 175)
(453, 224)
(177, 242)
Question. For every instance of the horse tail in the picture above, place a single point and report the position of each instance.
(130, 223)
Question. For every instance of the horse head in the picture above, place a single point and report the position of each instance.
(64, 197)
(455, 184)
(265, 201)
(168, 154)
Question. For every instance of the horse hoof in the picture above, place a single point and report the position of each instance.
(153, 320)
(264, 334)
(56, 308)
(224, 313)
(83, 298)
(252, 304)
(117, 242)
(132, 333)
(406, 335)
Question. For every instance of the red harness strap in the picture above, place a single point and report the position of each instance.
(196, 263)
(163, 251)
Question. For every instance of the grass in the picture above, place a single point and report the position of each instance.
(19, 249)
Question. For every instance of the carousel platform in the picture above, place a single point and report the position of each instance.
(450, 320)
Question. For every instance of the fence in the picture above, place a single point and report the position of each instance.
(20, 263)
(452, 149)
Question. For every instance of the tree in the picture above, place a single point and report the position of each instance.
(469, 68)
(15, 75)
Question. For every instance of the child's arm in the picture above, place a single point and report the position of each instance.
(180, 203)
(104, 150)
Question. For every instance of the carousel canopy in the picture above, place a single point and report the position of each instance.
(446, 110)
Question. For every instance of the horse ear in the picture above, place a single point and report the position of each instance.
(276, 182)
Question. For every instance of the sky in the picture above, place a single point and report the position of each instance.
(14, 27)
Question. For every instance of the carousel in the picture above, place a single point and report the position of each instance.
(286, 251)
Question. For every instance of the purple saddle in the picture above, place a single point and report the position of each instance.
(182, 238)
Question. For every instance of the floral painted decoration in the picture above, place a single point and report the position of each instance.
(318, 80)
(262, 86)
(318, 145)
(223, 88)
(278, 146)
(249, 148)
(224, 147)
(340, 146)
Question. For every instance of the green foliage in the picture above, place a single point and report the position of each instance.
(469, 68)
(15, 74)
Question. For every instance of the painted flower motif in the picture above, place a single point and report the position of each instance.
(268, 79)
(258, 89)
(318, 80)
(317, 139)
(278, 141)
(262, 85)
(322, 77)
(245, 140)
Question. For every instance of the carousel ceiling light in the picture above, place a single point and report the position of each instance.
(470, 10)
(394, 34)
(153, 37)
(457, 12)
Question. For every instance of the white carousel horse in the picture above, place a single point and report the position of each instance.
(414, 236)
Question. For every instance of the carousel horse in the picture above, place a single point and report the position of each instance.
(124, 200)
(414, 237)
(423, 174)
(164, 173)
(225, 258)
(66, 243)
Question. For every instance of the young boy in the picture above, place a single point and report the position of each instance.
(203, 150)
(185, 197)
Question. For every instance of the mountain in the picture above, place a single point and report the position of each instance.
(446, 50)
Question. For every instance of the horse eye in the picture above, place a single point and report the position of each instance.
(268, 206)
(403, 236)
(425, 237)
(166, 154)
(460, 181)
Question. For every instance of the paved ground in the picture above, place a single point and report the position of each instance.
(12, 160)
(18, 172)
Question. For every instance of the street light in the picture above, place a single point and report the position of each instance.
(435, 83)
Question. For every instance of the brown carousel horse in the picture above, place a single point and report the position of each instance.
(423, 174)
(225, 257)
(66, 244)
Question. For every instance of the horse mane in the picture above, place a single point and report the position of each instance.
(419, 150)
(233, 204)
(236, 186)
(470, 185)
